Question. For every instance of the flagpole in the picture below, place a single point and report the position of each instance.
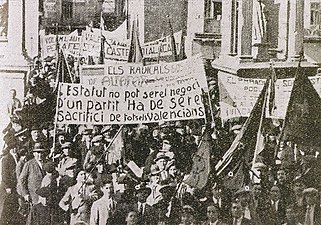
(105, 151)
(67, 65)
(259, 132)
(55, 125)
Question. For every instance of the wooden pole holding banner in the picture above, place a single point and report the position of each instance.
(55, 125)
(105, 151)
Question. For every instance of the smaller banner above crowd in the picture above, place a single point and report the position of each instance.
(134, 75)
(238, 95)
(89, 104)
(71, 44)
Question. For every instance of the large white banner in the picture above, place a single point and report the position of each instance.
(238, 95)
(89, 104)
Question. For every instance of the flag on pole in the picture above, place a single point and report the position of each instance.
(135, 50)
(201, 163)
(236, 162)
(302, 124)
(173, 45)
(115, 149)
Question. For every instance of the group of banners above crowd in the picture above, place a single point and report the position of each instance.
(116, 45)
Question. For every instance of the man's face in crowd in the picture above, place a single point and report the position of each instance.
(281, 176)
(132, 218)
(39, 156)
(212, 213)
(35, 135)
(81, 177)
(187, 218)
(142, 196)
(172, 171)
(161, 163)
(237, 210)
(275, 193)
(257, 189)
(108, 189)
(154, 179)
(311, 198)
(290, 216)
(166, 146)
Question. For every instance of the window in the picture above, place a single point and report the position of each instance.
(3, 20)
(315, 14)
(66, 10)
(213, 15)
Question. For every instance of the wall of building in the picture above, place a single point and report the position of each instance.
(157, 14)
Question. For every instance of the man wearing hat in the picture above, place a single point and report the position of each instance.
(94, 153)
(154, 179)
(188, 215)
(312, 212)
(9, 182)
(84, 144)
(146, 213)
(67, 160)
(32, 174)
(169, 206)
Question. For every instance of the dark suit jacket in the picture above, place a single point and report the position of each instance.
(30, 179)
(9, 177)
(244, 222)
(148, 218)
(317, 215)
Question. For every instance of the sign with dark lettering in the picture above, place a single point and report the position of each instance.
(89, 104)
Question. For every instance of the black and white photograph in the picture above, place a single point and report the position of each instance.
(160, 112)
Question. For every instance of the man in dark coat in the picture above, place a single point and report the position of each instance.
(312, 211)
(238, 215)
(9, 182)
(146, 213)
(32, 174)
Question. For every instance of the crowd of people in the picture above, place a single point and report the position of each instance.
(78, 174)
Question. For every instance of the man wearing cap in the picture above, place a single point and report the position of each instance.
(244, 196)
(84, 144)
(94, 153)
(213, 216)
(237, 213)
(154, 179)
(67, 160)
(169, 206)
(312, 212)
(161, 162)
(188, 215)
(146, 213)
(221, 198)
